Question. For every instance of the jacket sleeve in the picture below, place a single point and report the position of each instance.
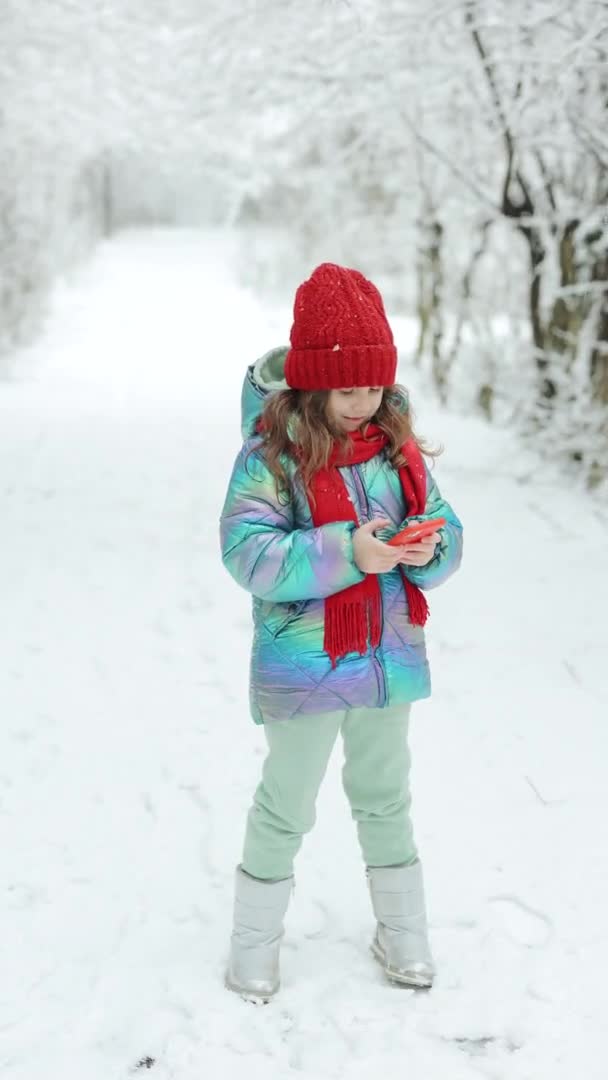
(266, 554)
(448, 553)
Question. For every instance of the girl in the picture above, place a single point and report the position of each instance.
(329, 471)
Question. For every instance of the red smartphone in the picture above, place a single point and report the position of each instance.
(416, 531)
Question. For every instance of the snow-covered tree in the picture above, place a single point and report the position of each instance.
(457, 154)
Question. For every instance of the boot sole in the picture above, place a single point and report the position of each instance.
(415, 982)
(250, 995)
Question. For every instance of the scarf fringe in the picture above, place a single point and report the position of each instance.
(353, 625)
(416, 602)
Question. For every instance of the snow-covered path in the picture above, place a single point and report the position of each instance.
(128, 759)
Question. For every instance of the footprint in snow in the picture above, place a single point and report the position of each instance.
(523, 924)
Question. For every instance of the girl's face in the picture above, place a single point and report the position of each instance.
(352, 409)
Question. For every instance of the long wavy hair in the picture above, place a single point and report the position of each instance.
(296, 423)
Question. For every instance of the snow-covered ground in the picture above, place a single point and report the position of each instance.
(128, 759)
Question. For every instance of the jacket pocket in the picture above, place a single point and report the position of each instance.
(289, 613)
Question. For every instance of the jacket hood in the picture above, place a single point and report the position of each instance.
(262, 378)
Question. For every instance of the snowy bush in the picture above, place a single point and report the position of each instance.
(456, 155)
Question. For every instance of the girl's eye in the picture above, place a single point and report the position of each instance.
(372, 390)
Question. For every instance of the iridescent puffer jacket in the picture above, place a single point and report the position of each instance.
(289, 566)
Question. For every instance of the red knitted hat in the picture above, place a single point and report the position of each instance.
(340, 335)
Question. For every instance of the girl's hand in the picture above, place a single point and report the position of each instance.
(420, 553)
(372, 556)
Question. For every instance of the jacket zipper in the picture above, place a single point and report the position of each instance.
(361, 492)
(381, 677)
(378, 665)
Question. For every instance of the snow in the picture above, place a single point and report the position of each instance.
(128, 758)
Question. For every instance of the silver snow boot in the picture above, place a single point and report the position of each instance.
(259, 909)
(401, 941)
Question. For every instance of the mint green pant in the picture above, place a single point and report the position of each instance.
(375, 777)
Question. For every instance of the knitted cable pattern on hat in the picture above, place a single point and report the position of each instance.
(340, 335)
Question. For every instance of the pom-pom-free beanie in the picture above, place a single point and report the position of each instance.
(340, 335)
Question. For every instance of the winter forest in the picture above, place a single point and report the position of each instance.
(169, 174)
(461, 157)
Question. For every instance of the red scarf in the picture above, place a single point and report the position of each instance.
(353, 617)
